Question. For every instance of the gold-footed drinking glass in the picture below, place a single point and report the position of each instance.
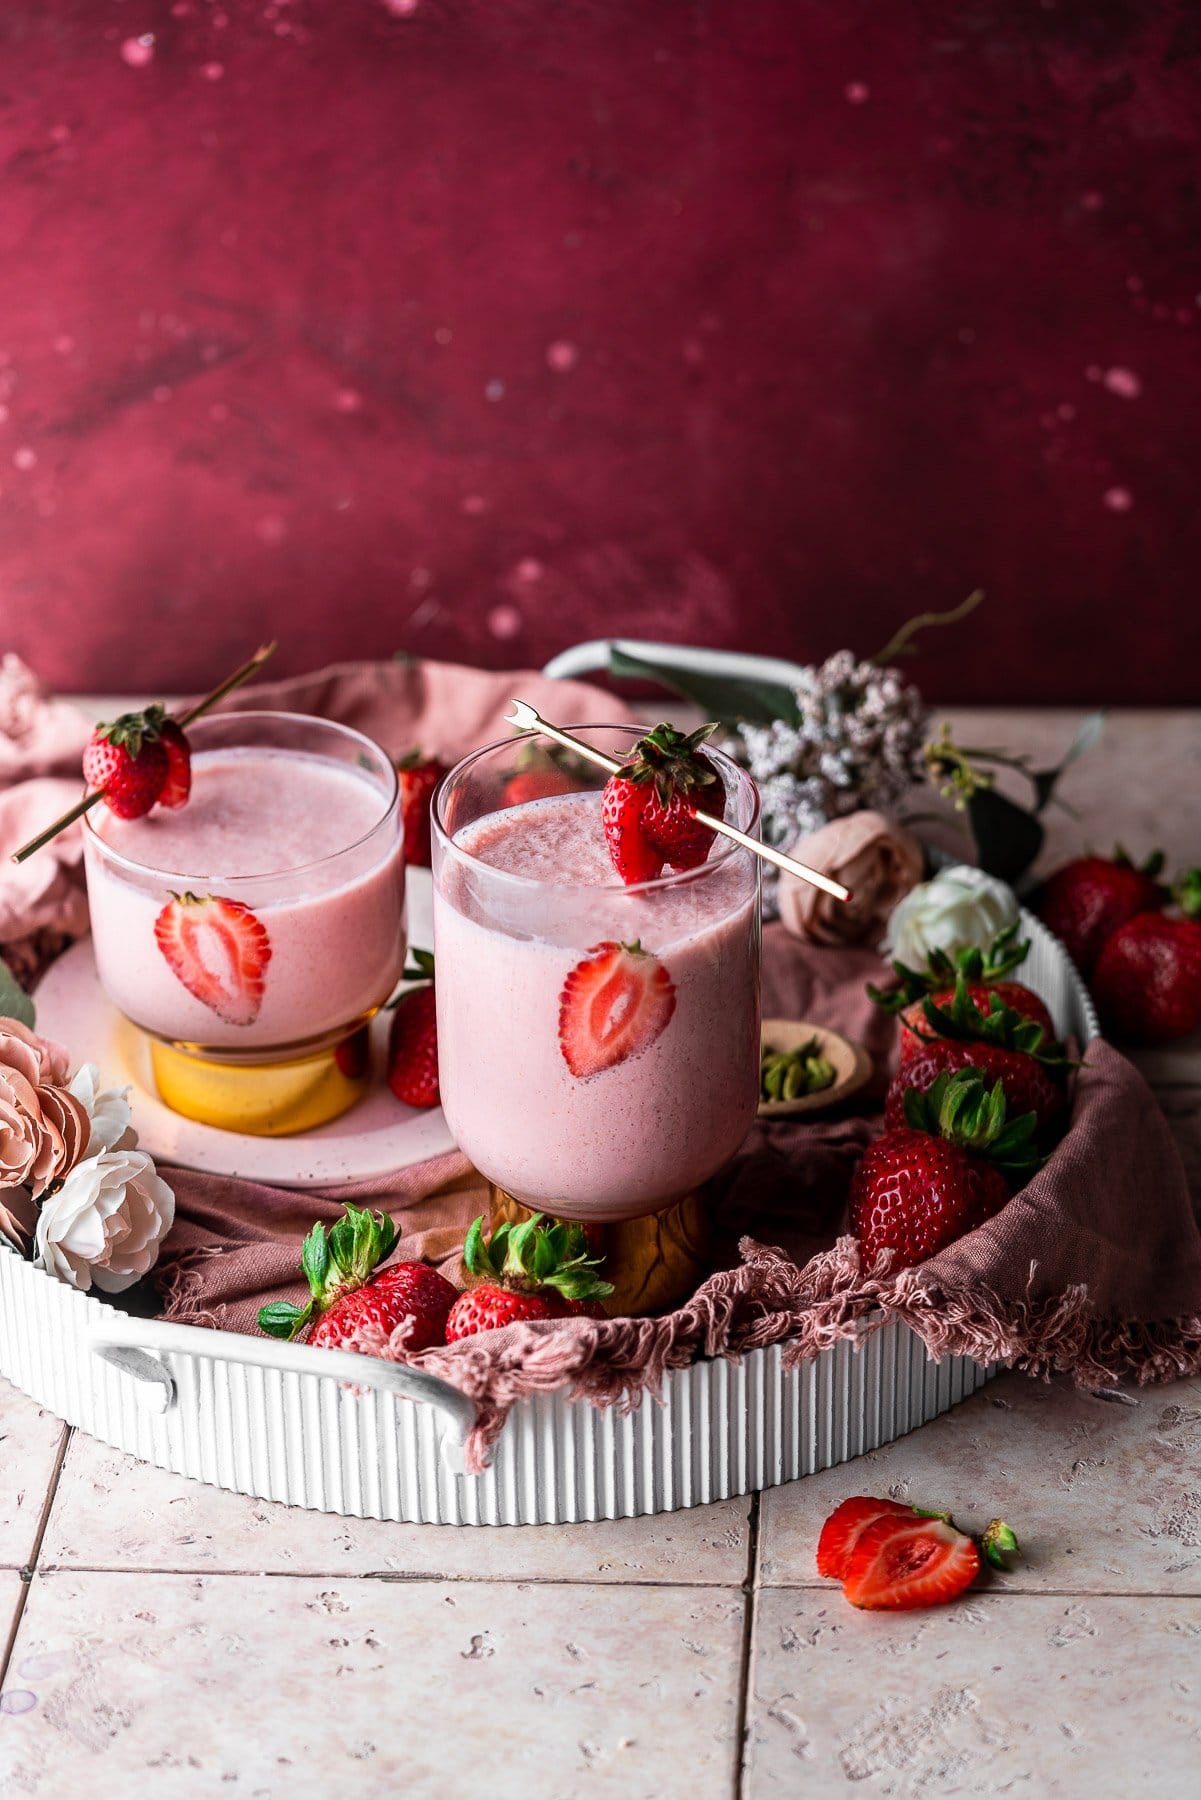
(598, 1044)
(252, 933)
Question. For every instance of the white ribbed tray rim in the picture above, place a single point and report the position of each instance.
(282, 1429)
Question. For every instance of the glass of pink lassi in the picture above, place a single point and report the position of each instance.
(598, 1044)
(254, 931)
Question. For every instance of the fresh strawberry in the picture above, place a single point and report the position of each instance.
(413, 1041)
(846, 1524)
(178, 784)
(1029, 1085)
(915, 1027)
(621, 816)
(128, 761)
(356, 1305)
(983, 973)
(219, 950)
(614, 1004)
(353, 1054)
(537, 784)
(1084, 902)
(1003, 1043)
(418, 776)
(526, 1271)
(1147, 979)
(943, 1173)
(649, 805)
(901, 1563)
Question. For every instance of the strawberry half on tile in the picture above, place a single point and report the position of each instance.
(614, 1005)
(219, 950)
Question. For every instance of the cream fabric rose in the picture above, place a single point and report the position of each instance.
(106, 1223)
(43, 1128)
(108, 1112)
(962, 907)
(878, 860)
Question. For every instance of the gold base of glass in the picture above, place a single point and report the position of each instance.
(259, 1099)
(654, 1262)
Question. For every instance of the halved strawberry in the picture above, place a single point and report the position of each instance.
(846, 1524)
(179, 764)
(900, 1563)
(614, 1004)
(219, 950)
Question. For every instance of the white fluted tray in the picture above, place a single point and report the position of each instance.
(278, 1421)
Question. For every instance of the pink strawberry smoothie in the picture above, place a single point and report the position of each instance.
(594, 1086)
(306, 934)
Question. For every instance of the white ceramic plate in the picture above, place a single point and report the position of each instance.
(376, 1137)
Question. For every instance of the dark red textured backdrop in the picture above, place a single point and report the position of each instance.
(474, 327)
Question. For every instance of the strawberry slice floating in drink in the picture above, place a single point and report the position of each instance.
(219, 950)
(614, 1004)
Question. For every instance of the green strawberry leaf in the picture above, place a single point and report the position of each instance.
(280, 1319)
(314, 1260)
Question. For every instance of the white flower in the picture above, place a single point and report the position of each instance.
(962, 907)
(108, 1111)
(106, 1223)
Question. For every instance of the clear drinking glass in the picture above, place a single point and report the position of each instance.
(529, 924)
(253, 932)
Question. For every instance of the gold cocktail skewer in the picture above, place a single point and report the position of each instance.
(231, 682)
(526, 718)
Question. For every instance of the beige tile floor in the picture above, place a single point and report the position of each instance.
(163, 1638)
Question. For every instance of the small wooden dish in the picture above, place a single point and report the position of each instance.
(852, 1066)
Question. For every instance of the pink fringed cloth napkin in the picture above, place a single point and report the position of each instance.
(1094, 1269)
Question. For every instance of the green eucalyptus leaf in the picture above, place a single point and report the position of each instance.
(15, 1003)
(723, 697)
(1008, 838)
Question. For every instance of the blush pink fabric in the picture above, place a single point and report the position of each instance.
(1093, 1269)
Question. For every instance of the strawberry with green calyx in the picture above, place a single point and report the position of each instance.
(527, 1271)
(1186, 892)
(128, 761)
(413, 1038)
(1087, 900)
(648, 807)
(946, 1170)
(1001, 1043)
(418, 776)
(983, 972)
(357, 1306)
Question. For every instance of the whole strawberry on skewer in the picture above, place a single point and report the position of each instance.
(985, 974)
(527, 1271)
(649, 806)
(1001, 1043)
(1086, 901)
(950, 1167)
(355, 1305)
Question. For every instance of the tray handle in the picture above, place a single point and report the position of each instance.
(136, 1347)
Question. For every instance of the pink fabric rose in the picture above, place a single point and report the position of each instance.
(877, 859)
(44, 1129)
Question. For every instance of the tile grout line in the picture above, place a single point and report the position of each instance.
(403, 1578)
(26, 1574)
(750, 1588)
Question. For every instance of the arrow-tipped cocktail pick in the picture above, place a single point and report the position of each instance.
(526, 718)
(231, 682)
